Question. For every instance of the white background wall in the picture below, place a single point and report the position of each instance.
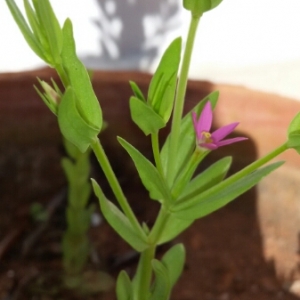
(255, 43)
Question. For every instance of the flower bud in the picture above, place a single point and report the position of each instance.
(198, 7)
(51, 96)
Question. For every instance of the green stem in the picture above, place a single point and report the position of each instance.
(145, 273)
(159, 225)
(114, 183)
(156, 154)
(247, 170)
(180, 94)
(62, 74)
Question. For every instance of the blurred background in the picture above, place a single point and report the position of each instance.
(253, 43)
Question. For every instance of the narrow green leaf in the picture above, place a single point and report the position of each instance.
(207, 179)
(88, 104)
(163, 84)
(72, 124)
(173, 227)
(119, 222)
(26, 31)
(174, 260)
(145, 117)
(161, 286)
(150, 177)
(50, 25)
(220, 195)
(38, 30)
(137, 92)
(124, 287)
(294, 134)
(187, 137)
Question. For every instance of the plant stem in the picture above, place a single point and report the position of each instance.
(62, 74)
(145, 273)
(180, 94)
(155, 149)
(247, 170)
(114, 183)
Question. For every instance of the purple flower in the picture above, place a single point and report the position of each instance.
(214, 140)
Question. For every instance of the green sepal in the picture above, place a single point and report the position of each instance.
(78, 76)
(163, 84)
(119, 222)
(198, 7)
(123, 287)
(71, 123)
(137, 91)
(174, 260)
(207, 179)
(161, 288)
(149, 175)
(219, 195)
(187, 138)
(145, 117)
(294, 134)
(28, 35)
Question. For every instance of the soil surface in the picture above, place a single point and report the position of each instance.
(225, 258)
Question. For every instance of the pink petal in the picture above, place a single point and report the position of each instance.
(195, 122)
(222, 132)
(231, 141)
(205, 120)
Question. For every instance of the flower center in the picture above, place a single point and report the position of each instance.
(206, 137)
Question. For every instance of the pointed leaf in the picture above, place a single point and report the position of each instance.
(137, 92)
(207, 179)
(294, 134)
(124, 287)
(173, 227)
(24, 28)
(53, 31)
(163, 84)
(145, 117)
(220, 195)
(149, 175)
(174, 260)
(72, 124)
(161, 285)
(80, 81)
(119, 222)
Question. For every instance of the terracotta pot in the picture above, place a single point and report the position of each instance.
(25, 123)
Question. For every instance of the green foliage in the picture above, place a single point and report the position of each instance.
(86, 101)
(294, 134)
(72, 124)
(198, 7)
(145, 117)
(119, 222)
(149, 175)
(163, 84)
(124, 287)
(187, 138)
(153, 114)
(161, 287)
(207, 179)
(173, 260)
(219, 195)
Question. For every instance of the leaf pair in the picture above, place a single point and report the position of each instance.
(43, 33)
(153, 114)
(167, 272)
